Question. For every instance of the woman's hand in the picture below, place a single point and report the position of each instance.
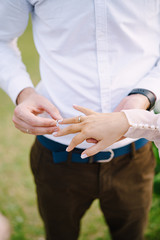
(105, 128)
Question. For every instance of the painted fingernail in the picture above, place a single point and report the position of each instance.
(54, 134)
(84, 156)
(61, 120)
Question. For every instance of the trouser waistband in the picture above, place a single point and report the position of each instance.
(60, 155)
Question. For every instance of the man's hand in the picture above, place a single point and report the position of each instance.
(26, 115)
(138, 101)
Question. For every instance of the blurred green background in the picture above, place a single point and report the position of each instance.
(17, 190)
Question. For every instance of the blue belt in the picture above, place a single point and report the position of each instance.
(60, 155)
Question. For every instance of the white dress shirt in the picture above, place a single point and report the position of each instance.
(92, 52)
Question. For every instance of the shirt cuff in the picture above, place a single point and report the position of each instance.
(17, 85)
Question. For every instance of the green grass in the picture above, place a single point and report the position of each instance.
(17, 190)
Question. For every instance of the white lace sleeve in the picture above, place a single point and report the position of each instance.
(143, 124)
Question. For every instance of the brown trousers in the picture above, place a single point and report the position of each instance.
(66, 190)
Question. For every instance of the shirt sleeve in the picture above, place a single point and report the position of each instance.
(152, 80)
(13, 21)
(143, 124)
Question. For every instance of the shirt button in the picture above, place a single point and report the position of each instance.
(141, 125)
(146, 126)
(134, 125)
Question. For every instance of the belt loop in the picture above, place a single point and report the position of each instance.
(69, 157)
(91, 159)
(133, 150)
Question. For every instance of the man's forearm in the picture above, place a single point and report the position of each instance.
(133, 101)
(144, 99)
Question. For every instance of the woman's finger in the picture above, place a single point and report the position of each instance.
(74, 128)
(84, 110)
(99, 146)
(79, 118)
(73, 120)
(79, 138)
(91, 140)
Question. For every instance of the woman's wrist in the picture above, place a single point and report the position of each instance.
(123, 122)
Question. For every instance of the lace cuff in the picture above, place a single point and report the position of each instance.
(143, 124)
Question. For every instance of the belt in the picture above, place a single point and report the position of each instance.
(60, 155)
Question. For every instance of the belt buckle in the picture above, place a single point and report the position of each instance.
(109, 159)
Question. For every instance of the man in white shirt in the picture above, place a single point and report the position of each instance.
(92, 53)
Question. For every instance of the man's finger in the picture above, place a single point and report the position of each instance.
(32, 119)
(52, 110)
(36, 130)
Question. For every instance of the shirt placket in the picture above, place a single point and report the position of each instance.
(102, 48)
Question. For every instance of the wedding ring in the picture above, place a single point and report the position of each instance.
(57, 123)
(79, 119)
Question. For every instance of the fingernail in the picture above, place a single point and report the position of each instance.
(54, 134)
(59, 121)
(67, 149)
(84, 156)
(74, 105)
